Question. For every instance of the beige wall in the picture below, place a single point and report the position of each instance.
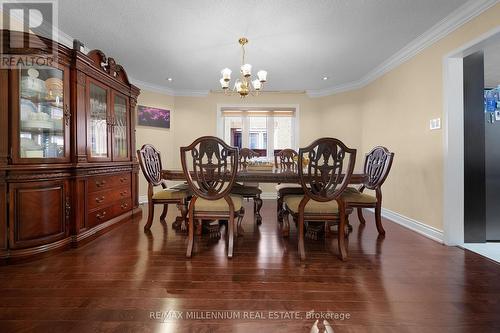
(394, 111)
(341, 118)
(192, 117)
(161, 138)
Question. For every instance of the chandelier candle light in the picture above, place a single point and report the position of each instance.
(244, 84)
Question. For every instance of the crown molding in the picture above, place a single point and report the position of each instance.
(453, 21)
(168, 91)
(335, 89)
(191, 93)
(151, 87)
(263, 92)
(450, 23)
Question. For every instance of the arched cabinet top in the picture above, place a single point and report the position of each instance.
(109, 65)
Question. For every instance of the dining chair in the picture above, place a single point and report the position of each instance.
(378, 163)
(210, 167)
(329, 171)
(249, 190)
(285, 161)
(151, 166)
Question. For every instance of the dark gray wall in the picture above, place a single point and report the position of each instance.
(474, 150)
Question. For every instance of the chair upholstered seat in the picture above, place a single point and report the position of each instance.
(287, 186)
(312, 206)
(352, 195)
(170, 194)
(246, 190)
(220, 205)
(180, 187)
(289, 189)
(249, 184)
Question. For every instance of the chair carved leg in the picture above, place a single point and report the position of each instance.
(151, 214)
(239, 228)
(213, 229)
(313, 230)
(164, 212)
(258, 206)
(300, 231)
(180, 220)
(360, 216)
(348, 223)
(342, 234)
(279, 209)
(189, 251)
(378, 219)
(328, 232)
(199, 224)
(285, 228)
(184, 213)
(230, 233)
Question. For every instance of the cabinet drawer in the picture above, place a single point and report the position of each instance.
(122, 206)
(104, 214)
(105, 198)
(101, 183)
(100, 216)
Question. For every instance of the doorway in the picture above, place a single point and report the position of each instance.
(469, 166)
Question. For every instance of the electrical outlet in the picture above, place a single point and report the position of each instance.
(435, 124)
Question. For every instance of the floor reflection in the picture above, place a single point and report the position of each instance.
(403, 282)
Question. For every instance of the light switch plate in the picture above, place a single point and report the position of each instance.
(435, 124)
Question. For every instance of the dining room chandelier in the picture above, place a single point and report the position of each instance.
(243, 85)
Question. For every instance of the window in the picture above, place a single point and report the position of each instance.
(233, 130)
(263, 131)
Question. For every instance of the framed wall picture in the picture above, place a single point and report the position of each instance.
(153, 117)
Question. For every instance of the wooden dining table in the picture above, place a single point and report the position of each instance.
(274, 175)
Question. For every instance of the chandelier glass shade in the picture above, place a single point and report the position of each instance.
(244, 84)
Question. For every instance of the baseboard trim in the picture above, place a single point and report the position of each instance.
(143, 199)
(416, 226)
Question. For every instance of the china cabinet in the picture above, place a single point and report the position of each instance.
(67, 171)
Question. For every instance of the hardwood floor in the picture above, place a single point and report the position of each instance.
(403, 283)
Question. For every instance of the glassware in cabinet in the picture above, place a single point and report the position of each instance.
(43, 114)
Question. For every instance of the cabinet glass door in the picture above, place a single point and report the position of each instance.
(121, 128)
(98, 112)
(43, 114)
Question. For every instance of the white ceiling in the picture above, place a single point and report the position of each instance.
(297, 42)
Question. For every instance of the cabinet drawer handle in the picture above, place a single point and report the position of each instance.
(124, 205)
(101, 183)
(99, 199)
(124, 193)
(123, 179)
(100, 216)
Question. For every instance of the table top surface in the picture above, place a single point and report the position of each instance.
(262, 176)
